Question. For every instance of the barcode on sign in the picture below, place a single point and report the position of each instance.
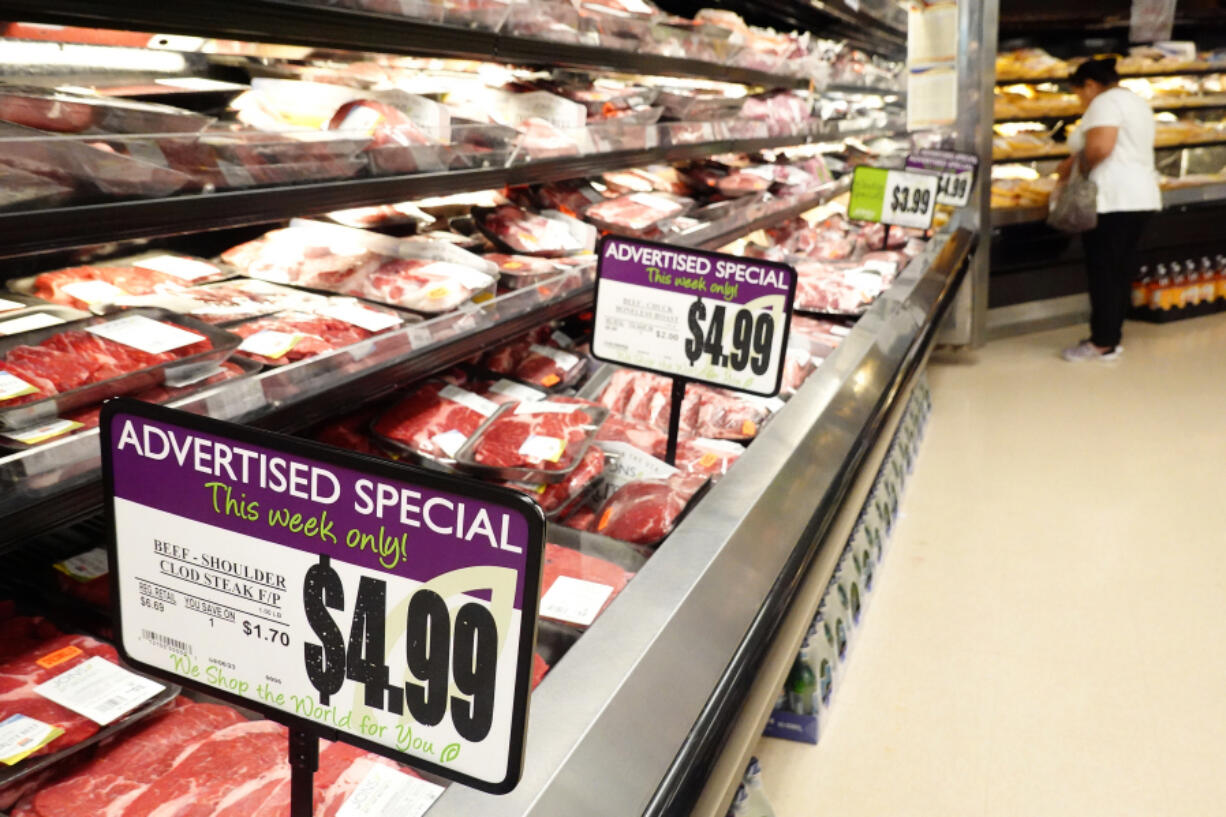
(166, 642)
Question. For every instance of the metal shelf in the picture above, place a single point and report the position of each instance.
(37, 231)
(70, 499)
(291, 22)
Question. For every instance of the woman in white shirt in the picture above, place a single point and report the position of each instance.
(1115, 147)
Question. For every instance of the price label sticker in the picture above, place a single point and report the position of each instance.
(146, 334)
(21, 736)
(177, 266)
(955, 172)
(8, 306)
(27, 323)
(360, 599)
(898, 197)
(709, 317)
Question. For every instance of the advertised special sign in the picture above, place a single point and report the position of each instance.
(955, 172)
(897, 197)
(704, 316)
(360, 600)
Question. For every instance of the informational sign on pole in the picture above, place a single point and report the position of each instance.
(1151, 21)
(955, 173)
(893, 197)
(350, 598)
(693, 315)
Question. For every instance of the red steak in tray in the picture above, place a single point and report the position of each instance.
(543, 435)
(551, 497)
(644, 512)
(289, 337)
(435, 420)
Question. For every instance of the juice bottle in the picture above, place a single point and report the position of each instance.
(1208, 281)
(1179, 287)
(1220, 262)
(1191, 290)
(1159, 298)
(1140, 290)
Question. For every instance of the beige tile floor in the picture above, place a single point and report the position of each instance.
(1049, 632)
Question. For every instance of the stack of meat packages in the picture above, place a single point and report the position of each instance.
(842, 266)
(198, 759)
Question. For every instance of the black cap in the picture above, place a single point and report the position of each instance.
(1101, 70)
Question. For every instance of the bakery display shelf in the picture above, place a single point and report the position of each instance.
(707, 606)
(1201, 194)
(1063, 154)
(58, 228)
(1184, 72)
(291, 22)
(56, 484)
(1201, 103)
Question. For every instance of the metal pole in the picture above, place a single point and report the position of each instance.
(674, 419)
(303, 761)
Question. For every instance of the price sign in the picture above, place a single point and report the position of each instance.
(898, 197)
(358, 600)
(955, 172)
(715, 318)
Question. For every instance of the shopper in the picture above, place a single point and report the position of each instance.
(1115, 147)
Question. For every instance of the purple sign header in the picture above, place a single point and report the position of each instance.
(726, 278)
(371, 518)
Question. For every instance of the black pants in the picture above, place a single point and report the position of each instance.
(1111, 263)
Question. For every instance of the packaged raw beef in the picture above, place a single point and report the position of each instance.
(520, 271)
(644, 513)
(798, 364)
(546, 234)
(85, 576)
(238, 300)
(571, 197)
(85, 168)
(577, 587)
(20, 634)
(540, 441)
(22, 673)
(705, 412)
(540, 139)
(539, 669)
(643, 436)
(711, 458)
(100, 285)
(508, 391)
(365, 265)
(351, 433)
(748, 180)
(637, 212)
(292, 336)
(557, 498)
(819, 330)
(835, 288)
(434, 421)
(21, 190)
(60, 112)
(119, 356)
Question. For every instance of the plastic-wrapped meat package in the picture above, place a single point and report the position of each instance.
(572, 197)
(553, 497)
(875, 238)
(86, 168)
(420, 284)
(548, 366)
(835, 290)
(50, 659)
(74, 359)
(86, 577)
(819, 331)
(554, 20)
(747, 181)
(435, 420)
(539, 139)
(521, 270)
(723, 415)
(643, 436)
(544, 435)
(706, 457)
(386, 124)
(539, 669)
(99, 285)
(545, 234)
(505, 358)
(59, 112)
(636, 212)
(645, 512)
(350, 433)
(293, 336)
(19, 189)
(303, 258)
(240, 300)
(798, 364)
(705, 412)
(784, 112)
(576, 587)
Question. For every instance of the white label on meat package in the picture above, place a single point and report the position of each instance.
(270, 343)
(469, 400)
(199, 84)
(42, 433)
(38, 320)
(362, 317)
(628, 464)
(565, 360)
(574, 601)
(540, 447)
(388, 792)
(471, 278)
(185, 269)
(21, 736)
(449, 442)
(719, 445)
(547, 407)
(99, 690)
(563, 340)
(13, 386)
(518, 391)
(8, 306)
(145, 334)
(85, 566)
(660, 205)
(93, 292)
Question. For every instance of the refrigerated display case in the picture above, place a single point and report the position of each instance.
(643, 711)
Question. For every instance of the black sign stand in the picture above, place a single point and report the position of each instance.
(674, 419)
(303, 763)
